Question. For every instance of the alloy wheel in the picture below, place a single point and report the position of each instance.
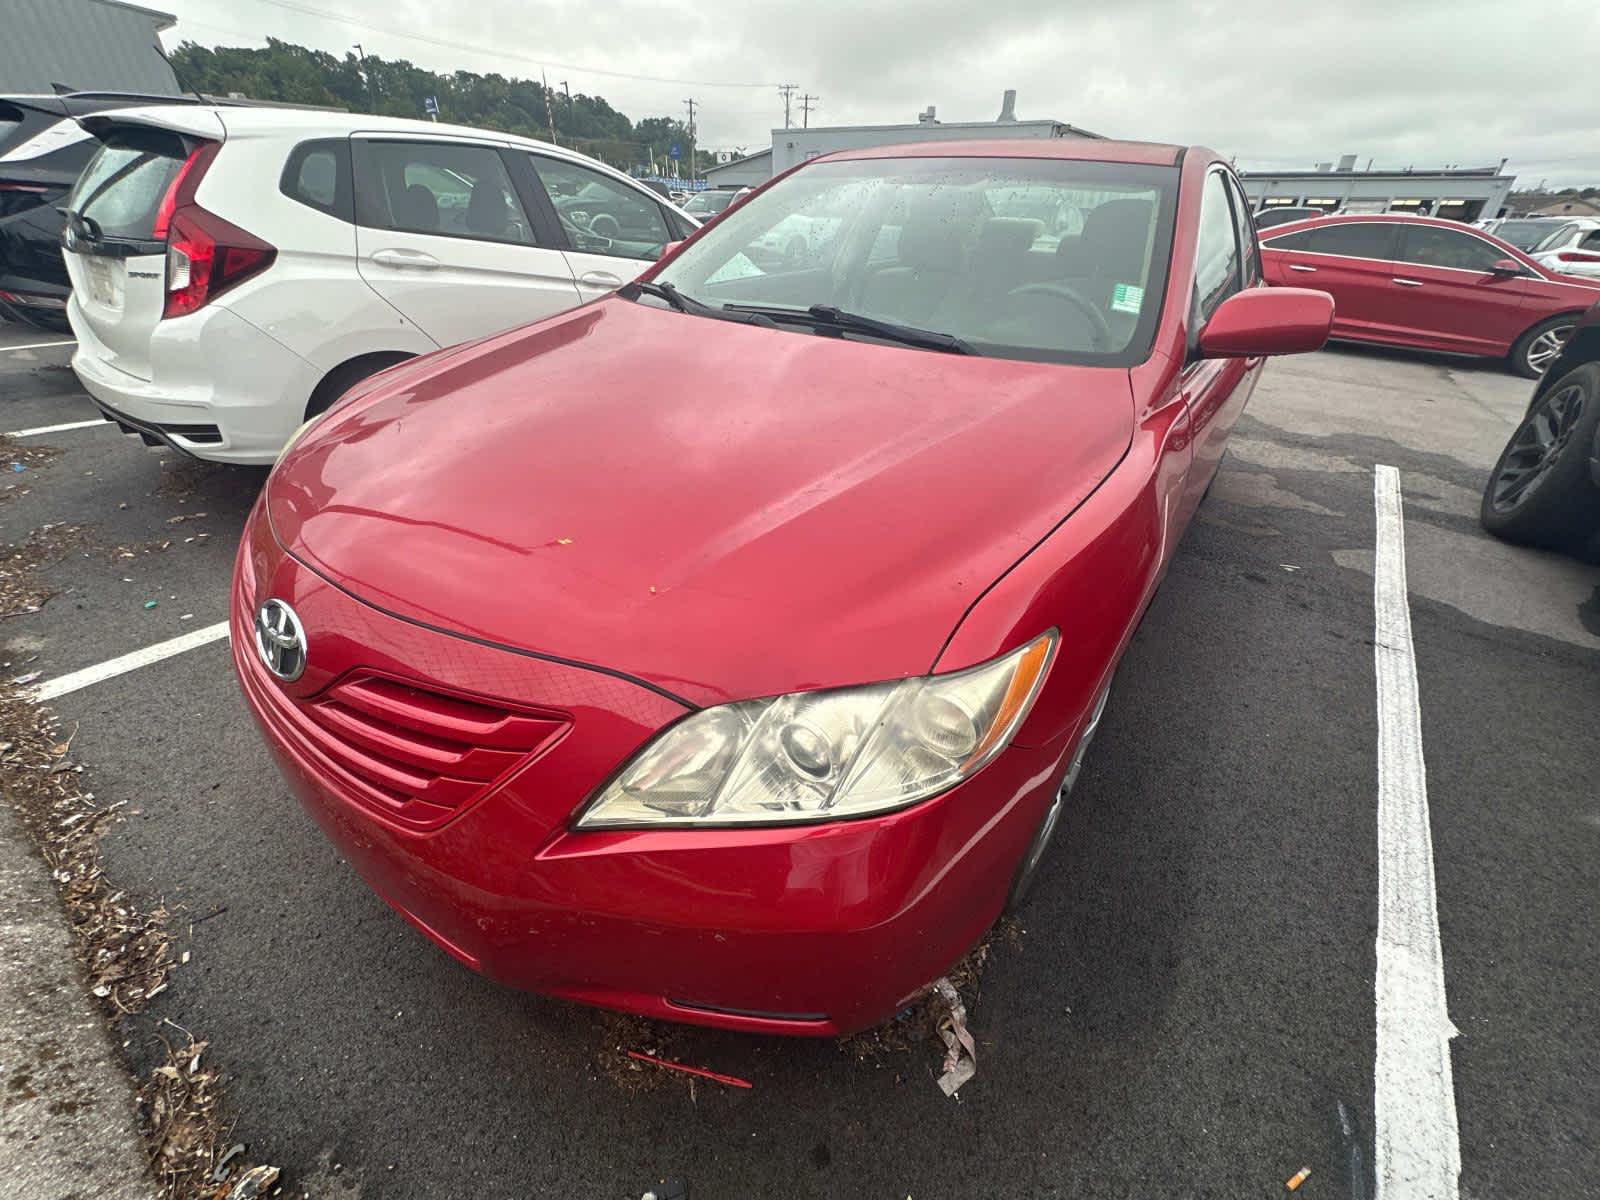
(1544, 348)
(1537, 447)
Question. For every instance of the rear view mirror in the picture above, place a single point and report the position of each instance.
(1268, 320)
(1507, 266)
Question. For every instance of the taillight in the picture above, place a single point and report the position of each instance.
(205, 254)
(1577, 256)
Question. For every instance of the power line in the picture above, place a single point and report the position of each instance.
(328, 14)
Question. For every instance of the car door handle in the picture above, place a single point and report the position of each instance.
(1298, 267)
(405, 258)
(603, 279)
(1409, 282)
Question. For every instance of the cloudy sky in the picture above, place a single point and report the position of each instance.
(1279, 85)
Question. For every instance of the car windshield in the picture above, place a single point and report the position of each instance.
(1556, 237)
(1042, 259)
(704, 204)
(1524, 235)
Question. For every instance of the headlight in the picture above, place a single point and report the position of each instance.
(828, 755)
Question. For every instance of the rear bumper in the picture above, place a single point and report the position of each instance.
(219, 388)
(815, 930)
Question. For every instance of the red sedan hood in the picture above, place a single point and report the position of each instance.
(721, 510)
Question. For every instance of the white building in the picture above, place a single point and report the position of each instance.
(1460, 193)
(792, 146)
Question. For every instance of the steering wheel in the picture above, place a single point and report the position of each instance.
(1101, 330)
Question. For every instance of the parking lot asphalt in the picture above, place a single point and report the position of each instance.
(1190, 1000)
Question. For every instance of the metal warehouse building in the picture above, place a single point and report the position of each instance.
(1459, 193)
(90, 45)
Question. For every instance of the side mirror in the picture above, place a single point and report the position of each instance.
(668, 249)
(1506, 266)
(1268, 320)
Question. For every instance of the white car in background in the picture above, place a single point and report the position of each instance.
(236, 270)
(1572, 248)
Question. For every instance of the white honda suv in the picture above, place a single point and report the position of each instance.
(236, 270)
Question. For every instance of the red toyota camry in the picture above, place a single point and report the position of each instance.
(1431, 284)
(724, 650)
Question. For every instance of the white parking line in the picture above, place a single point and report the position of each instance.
(37, 430)
(38, 346)
(1418, 1147)
(132, 661)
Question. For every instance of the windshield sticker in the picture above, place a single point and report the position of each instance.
(1127, 298)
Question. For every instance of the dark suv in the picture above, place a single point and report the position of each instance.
(1545, 490)
(42, 150)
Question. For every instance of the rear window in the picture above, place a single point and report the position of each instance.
(121, 188)
(1362, 239)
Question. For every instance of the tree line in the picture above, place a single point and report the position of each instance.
(291, 74)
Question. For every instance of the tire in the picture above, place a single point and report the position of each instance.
(1541, 491)
(1537, 349)
(1028, 868)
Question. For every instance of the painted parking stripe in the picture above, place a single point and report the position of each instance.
(38, 345)
(39, 430)
(132, 661)
(1418, 1149)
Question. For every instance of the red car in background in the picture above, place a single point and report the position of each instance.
(1430, 284)
(724, 650)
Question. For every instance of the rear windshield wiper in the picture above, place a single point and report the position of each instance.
(826, 316)
(688, 304)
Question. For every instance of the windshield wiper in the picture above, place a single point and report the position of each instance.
(826, 316)
(688, 304)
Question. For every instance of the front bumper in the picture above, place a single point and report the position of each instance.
(814, 930)
(218, 387)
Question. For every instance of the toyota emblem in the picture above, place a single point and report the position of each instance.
(281, 640)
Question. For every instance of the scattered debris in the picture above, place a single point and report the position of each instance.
(126, 951)
(20, 589)
(1298, 1178)
(622, 1035)
(700, 1072)
(961, 1052)
(254, 1183)
(219, 1173)
(1289, 566)
(149, 604)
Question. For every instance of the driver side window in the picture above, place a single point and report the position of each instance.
(1217, 271)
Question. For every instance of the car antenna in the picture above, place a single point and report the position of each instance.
(173, 67)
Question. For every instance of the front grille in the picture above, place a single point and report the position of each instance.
(418, 755)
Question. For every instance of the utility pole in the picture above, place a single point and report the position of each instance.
(787, 90)
(568, 90)
(549, 114)
(361, 70)
(807, 103)
(691, 103)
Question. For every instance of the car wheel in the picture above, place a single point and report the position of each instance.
(1541, 492)
(605, 225)
(1028, 869)
(1537, 349)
